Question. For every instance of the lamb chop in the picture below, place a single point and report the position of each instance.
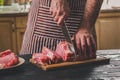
(7, 59)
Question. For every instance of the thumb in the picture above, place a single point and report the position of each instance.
(73, 38)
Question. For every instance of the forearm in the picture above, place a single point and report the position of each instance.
(91, 12)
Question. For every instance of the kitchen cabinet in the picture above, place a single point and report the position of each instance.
(108, 30)
(7, 34)
(20, 34)
(21, 26)
(12, 28)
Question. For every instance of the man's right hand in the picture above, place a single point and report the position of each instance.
(59, 10)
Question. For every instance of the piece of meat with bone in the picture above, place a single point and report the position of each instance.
(7, 59)
(6, 52)
(52, 55)
(64, 51)
(40, 58)
(61, 54)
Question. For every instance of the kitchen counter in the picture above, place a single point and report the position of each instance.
(28, 71)
(109, 10)
(17, 13)
(13, 14)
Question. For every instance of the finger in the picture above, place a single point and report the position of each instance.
(51, 10)
(89, 47)
(57, 16)
(54, 13)
(61, 19)
(93, 46)
(78, 43)
(83, 47)
(80, 48)
(72, 38)
(83, 44)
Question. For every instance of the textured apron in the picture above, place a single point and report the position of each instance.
(42, 30)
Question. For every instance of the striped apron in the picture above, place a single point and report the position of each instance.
(42, 30)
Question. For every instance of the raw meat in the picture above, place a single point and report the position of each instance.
(61, 54)
(47, 56)
(4, 53)
(7, 59)
(64, 51)
(41, 59)
(52, 55)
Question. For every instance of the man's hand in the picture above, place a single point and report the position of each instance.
(85, 43)
(59, 10)
(84, 39)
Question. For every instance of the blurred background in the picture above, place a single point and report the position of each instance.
(18, 4)
(110, 4)
(15, 5)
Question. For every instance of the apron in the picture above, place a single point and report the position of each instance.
(42, 30)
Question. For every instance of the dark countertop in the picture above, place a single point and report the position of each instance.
(28, 71)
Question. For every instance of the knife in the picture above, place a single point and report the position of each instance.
(68, 38)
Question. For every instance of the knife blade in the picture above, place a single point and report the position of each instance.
(68, 38)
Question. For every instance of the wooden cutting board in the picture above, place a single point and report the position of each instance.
(97, 61)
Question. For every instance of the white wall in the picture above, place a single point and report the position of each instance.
(110, 4)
